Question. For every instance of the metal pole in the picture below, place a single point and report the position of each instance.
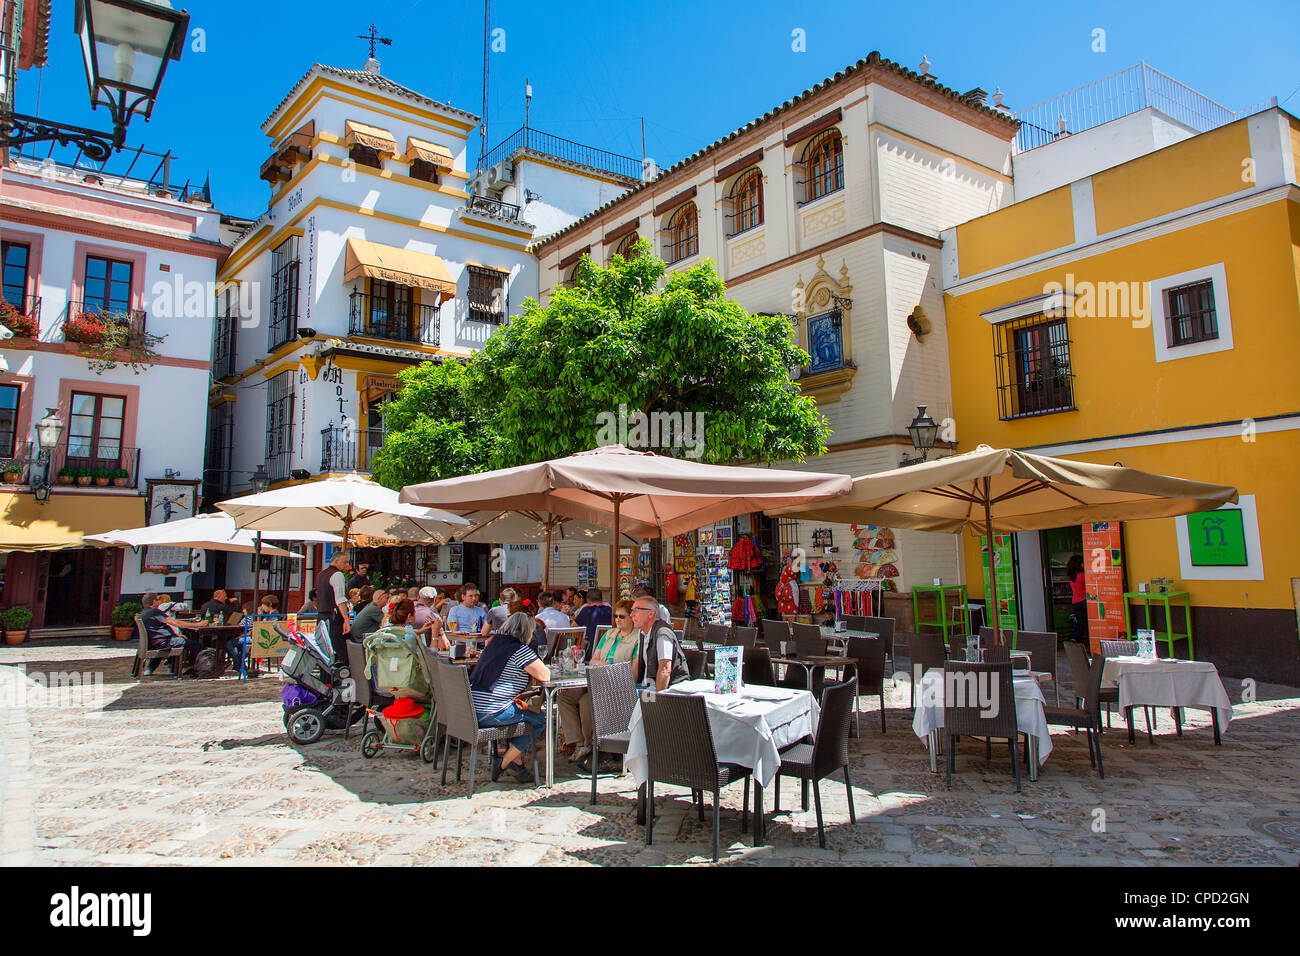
(257, 572)
(613, 555)
(546, 561)
(993, 578)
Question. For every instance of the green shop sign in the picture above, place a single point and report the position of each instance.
(1217, 539)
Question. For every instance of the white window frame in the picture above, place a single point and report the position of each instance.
(1223, 318)
(1254, 569)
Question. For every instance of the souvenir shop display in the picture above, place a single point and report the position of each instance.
(643, 574)
(877, 555)
(672, 594)
(625, 573)
(713, 586)
(860, 597)
(787, 587)
(586, 570)
(745, 556)
(747, 608)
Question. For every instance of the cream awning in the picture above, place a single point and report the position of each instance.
(376, 138)
(403, 266)
(64, 520)
(440, 156)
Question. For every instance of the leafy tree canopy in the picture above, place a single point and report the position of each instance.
(551, 383)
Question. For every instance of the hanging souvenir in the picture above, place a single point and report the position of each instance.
(787, 601)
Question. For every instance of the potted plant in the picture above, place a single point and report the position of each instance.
(66, 476)
(18, 322)
(16, 620)
(84, 477)
(121, 478)
(12, 469)
(88, 328)
(124, 620)
(103, 476)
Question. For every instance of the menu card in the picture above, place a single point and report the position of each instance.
(727, 670)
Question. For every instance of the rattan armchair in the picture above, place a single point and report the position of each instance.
(1041, 646)
(884, 626)
(744, 636)
(613, 696)
(756, 667)
(456, 714)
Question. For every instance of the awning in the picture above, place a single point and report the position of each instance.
(403, 266)
(380, 140)
(429, 152)
(279, 165)
(376, 387)
(63, 520)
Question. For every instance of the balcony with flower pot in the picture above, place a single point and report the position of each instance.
(22, 318)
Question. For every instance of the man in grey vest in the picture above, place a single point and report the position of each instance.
(662, 659)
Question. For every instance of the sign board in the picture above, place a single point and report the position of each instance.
(1103, 578)
(167, 500)
(523, 564)
(1217, 539)
(1004, 572)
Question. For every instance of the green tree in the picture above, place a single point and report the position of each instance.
(435, 430)
(539, 387)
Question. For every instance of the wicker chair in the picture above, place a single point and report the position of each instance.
(756, 667)
(695, 661)
(694, 631)
(956, 648)
(556, 641)
(717, 633)
(829, 751)
(1128, 649)
(456, 714)
(967, 718)
(774, 634)
(987, 634)
(1119, 648)
(868, 654)
(1041, 646)
(924, 651)
(144, 653)
(613, 696)
(744, 636)
(363, 695)
(680, 752)
(997, 654)
(1087, 717)
(884, 626)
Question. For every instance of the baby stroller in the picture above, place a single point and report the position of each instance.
(396, 666)
(315, 701)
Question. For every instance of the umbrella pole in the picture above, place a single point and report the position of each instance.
(613, 556)
(257, 572)
(546, 561)
(993, 578)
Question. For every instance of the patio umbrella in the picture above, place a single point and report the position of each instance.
(1001, 489)
(528, 525)
(346, 505)
(630, 491)
(216, 532)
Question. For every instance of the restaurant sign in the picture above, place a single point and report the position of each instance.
(1217, 539)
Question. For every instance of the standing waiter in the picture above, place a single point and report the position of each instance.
(332, 599)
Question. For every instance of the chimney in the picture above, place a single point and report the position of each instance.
(372, 66)
(977, 97)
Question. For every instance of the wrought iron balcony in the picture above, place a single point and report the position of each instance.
(80, 459)
(338, 449)
(493, 207)
(22, 317)
(89, 322)
(389, 318)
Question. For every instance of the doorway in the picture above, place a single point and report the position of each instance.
(74, 588)
(1058, 546)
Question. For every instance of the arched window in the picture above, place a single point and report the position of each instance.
(683, 234)
(823, 165)
(747, 202)
(624, 247)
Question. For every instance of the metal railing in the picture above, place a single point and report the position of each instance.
(561, 148)
(121, 169)
(493, 207)
(1137, 88)
(338, 449)
(102, 456)
(399, 321)
(374, 439)
(30, 307)
(25, 461)
(83, 320)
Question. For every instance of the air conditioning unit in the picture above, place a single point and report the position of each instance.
(478, 183)
(500, 175)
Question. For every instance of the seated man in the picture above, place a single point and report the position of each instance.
(595, 615)
(371, 617)
(236, 646)
(466, 618)
(219, 607)
(164, 631)
(548, 613)
(662, 658)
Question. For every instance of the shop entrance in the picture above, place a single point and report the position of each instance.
(75, 584)
(1058, 545)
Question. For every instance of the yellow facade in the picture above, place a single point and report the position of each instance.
(1229, 416)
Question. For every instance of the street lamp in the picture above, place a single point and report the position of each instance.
(260, 481)
(48, 432)
(923, 430)
(126, 45)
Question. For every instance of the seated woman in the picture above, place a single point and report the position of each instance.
(619, 643)
(502, 673)
(236, 646)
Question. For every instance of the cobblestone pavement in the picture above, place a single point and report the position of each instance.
(201, 772)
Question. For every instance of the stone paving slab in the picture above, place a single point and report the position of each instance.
(198, 773)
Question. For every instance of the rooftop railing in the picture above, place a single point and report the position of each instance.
(561, 148)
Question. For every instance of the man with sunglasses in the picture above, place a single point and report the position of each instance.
(663, 662)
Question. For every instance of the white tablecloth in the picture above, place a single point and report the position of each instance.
(1168, 682)
(1030, 718)
(745, 731)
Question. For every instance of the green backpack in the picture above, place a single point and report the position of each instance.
(395, 667)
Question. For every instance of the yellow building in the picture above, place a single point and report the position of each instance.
(1148, 315)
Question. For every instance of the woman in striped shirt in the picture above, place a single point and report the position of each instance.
(502, 673)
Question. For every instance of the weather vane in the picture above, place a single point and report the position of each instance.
(373, 37)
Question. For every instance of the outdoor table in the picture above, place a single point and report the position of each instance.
(217, 634)
(1031, 719)
(1169, 682)
(561, 679)
(813, 661)
(749, 728)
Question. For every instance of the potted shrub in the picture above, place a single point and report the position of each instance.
(84, 477)
(16, 620)
(124, 620)
(103, 476)
(12, 469)
(66, 476)
(121, 478)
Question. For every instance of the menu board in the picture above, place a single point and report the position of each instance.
(1103, 578)
(1004, 572)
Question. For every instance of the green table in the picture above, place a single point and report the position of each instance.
(941, 607)
(1168, 635)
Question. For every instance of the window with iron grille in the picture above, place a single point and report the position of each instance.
(227, 326)
(1189, 313)
(746, 203)
(284, 293)
(823, 166)
(488, 300)
(1033, 366)
(624, 246)
(221, 446)
(279, 425)
(683, 234)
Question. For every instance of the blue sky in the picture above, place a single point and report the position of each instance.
(694, 71)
